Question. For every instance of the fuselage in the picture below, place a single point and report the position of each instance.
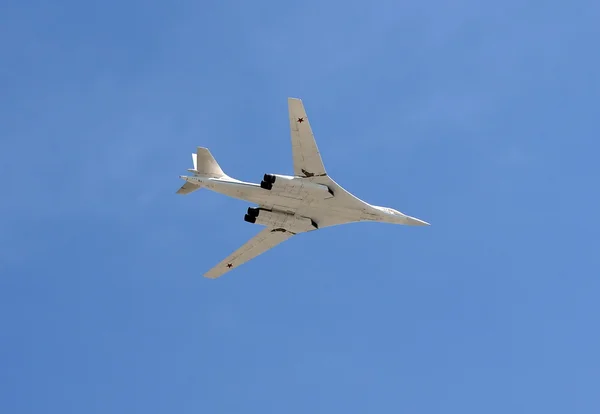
(317, 198)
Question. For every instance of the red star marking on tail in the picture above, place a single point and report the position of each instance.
(300, 120)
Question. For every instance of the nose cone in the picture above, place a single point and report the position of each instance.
(412, 221)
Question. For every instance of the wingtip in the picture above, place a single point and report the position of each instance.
(413, 221)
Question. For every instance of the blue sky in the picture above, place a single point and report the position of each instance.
(478, 117)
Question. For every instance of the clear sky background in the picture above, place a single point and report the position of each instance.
(479, 117)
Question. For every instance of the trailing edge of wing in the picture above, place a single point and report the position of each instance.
(263, 241)
(306, 156)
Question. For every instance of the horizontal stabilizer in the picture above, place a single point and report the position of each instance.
(188, 188)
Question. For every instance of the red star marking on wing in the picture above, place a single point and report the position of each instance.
(300, 120)
(229, 265)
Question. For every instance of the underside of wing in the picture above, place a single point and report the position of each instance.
(306, 156)
(263, 241)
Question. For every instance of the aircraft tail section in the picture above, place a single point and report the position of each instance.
(205, 164)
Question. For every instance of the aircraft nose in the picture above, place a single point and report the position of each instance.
(412, 221)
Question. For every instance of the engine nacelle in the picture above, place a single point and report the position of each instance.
(293, 185)
(279, 220)
(268, 181)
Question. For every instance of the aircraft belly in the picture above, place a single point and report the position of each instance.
(269, 199)
(290, 201)
(235, 190)
(301, 201)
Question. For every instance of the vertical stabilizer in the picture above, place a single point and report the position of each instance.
(195, 161)
(205, 164)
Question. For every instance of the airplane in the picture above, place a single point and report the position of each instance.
(287, 205)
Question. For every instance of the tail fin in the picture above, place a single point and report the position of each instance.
(205, 164)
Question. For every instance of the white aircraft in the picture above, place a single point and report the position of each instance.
(287, 205)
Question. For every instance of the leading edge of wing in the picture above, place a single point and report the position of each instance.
(305, 153)
(263, 241)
